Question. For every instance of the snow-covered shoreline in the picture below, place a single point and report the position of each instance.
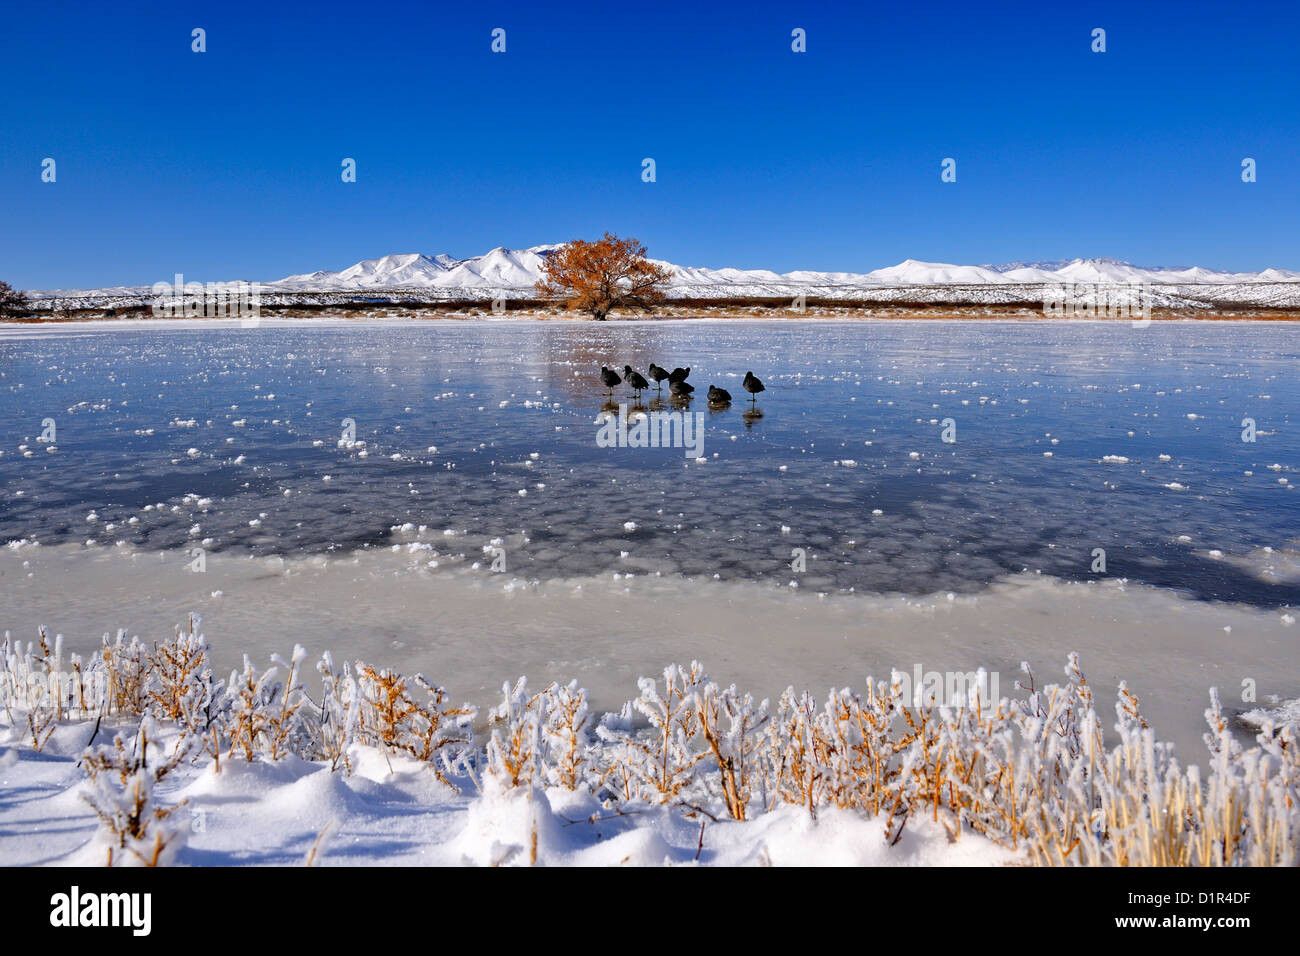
(15, 329)
(139, 755)
(469, 628)
(393, 811)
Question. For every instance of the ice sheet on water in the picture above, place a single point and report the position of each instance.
(841, 448)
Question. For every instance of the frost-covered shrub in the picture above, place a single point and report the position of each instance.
(264, 715)
(135, 826)
(250, 708)
(392, 719)
(31, 696)
(514, 746)
(797, 759)
(658, 764)
(730, 723)
(336, 719)
(542, 739)
(1275, 827)
(566, 736)
(179, 684)
(1033, 773)
(126, 665)
(285, 729)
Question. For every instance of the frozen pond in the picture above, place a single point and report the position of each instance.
(226, 446)
(1069, 437)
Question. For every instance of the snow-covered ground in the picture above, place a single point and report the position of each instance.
(392, 810)
(139, 754)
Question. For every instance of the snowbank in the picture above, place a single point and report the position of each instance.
(140, 756)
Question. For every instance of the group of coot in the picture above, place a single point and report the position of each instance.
(678, 387)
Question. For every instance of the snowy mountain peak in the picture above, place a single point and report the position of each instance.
(502, 269)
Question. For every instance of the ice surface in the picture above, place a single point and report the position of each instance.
(240, 431)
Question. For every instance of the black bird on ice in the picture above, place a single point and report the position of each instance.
(634, 378)
(658, 374)
(610, 378)
(753, 386)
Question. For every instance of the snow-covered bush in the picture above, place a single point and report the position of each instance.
(251, 707)
(31, 697)
(514, 747)
(542, 739)
(263, 716)
(730, 723)
(340, 709)
(126, 665)
(566, 736)
(392, 719)
(1033, 773)
(658, 764)
(180, 686)
(136, 828)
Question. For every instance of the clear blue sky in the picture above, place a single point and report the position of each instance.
(226, 164)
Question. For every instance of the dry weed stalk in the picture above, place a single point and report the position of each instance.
(180, 688)
(566, 733)
(318, 847)
(127, 667)
(250, 709)
(340, 710)
(1033, 773)
(390, 718)
(656, 766)
(122, 795)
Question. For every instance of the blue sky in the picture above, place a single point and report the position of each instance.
(226, 164)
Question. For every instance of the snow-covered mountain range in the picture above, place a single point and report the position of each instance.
(520, 268)
(512, 273)
(499, 269)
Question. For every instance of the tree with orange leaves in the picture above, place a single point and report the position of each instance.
(599, 277)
